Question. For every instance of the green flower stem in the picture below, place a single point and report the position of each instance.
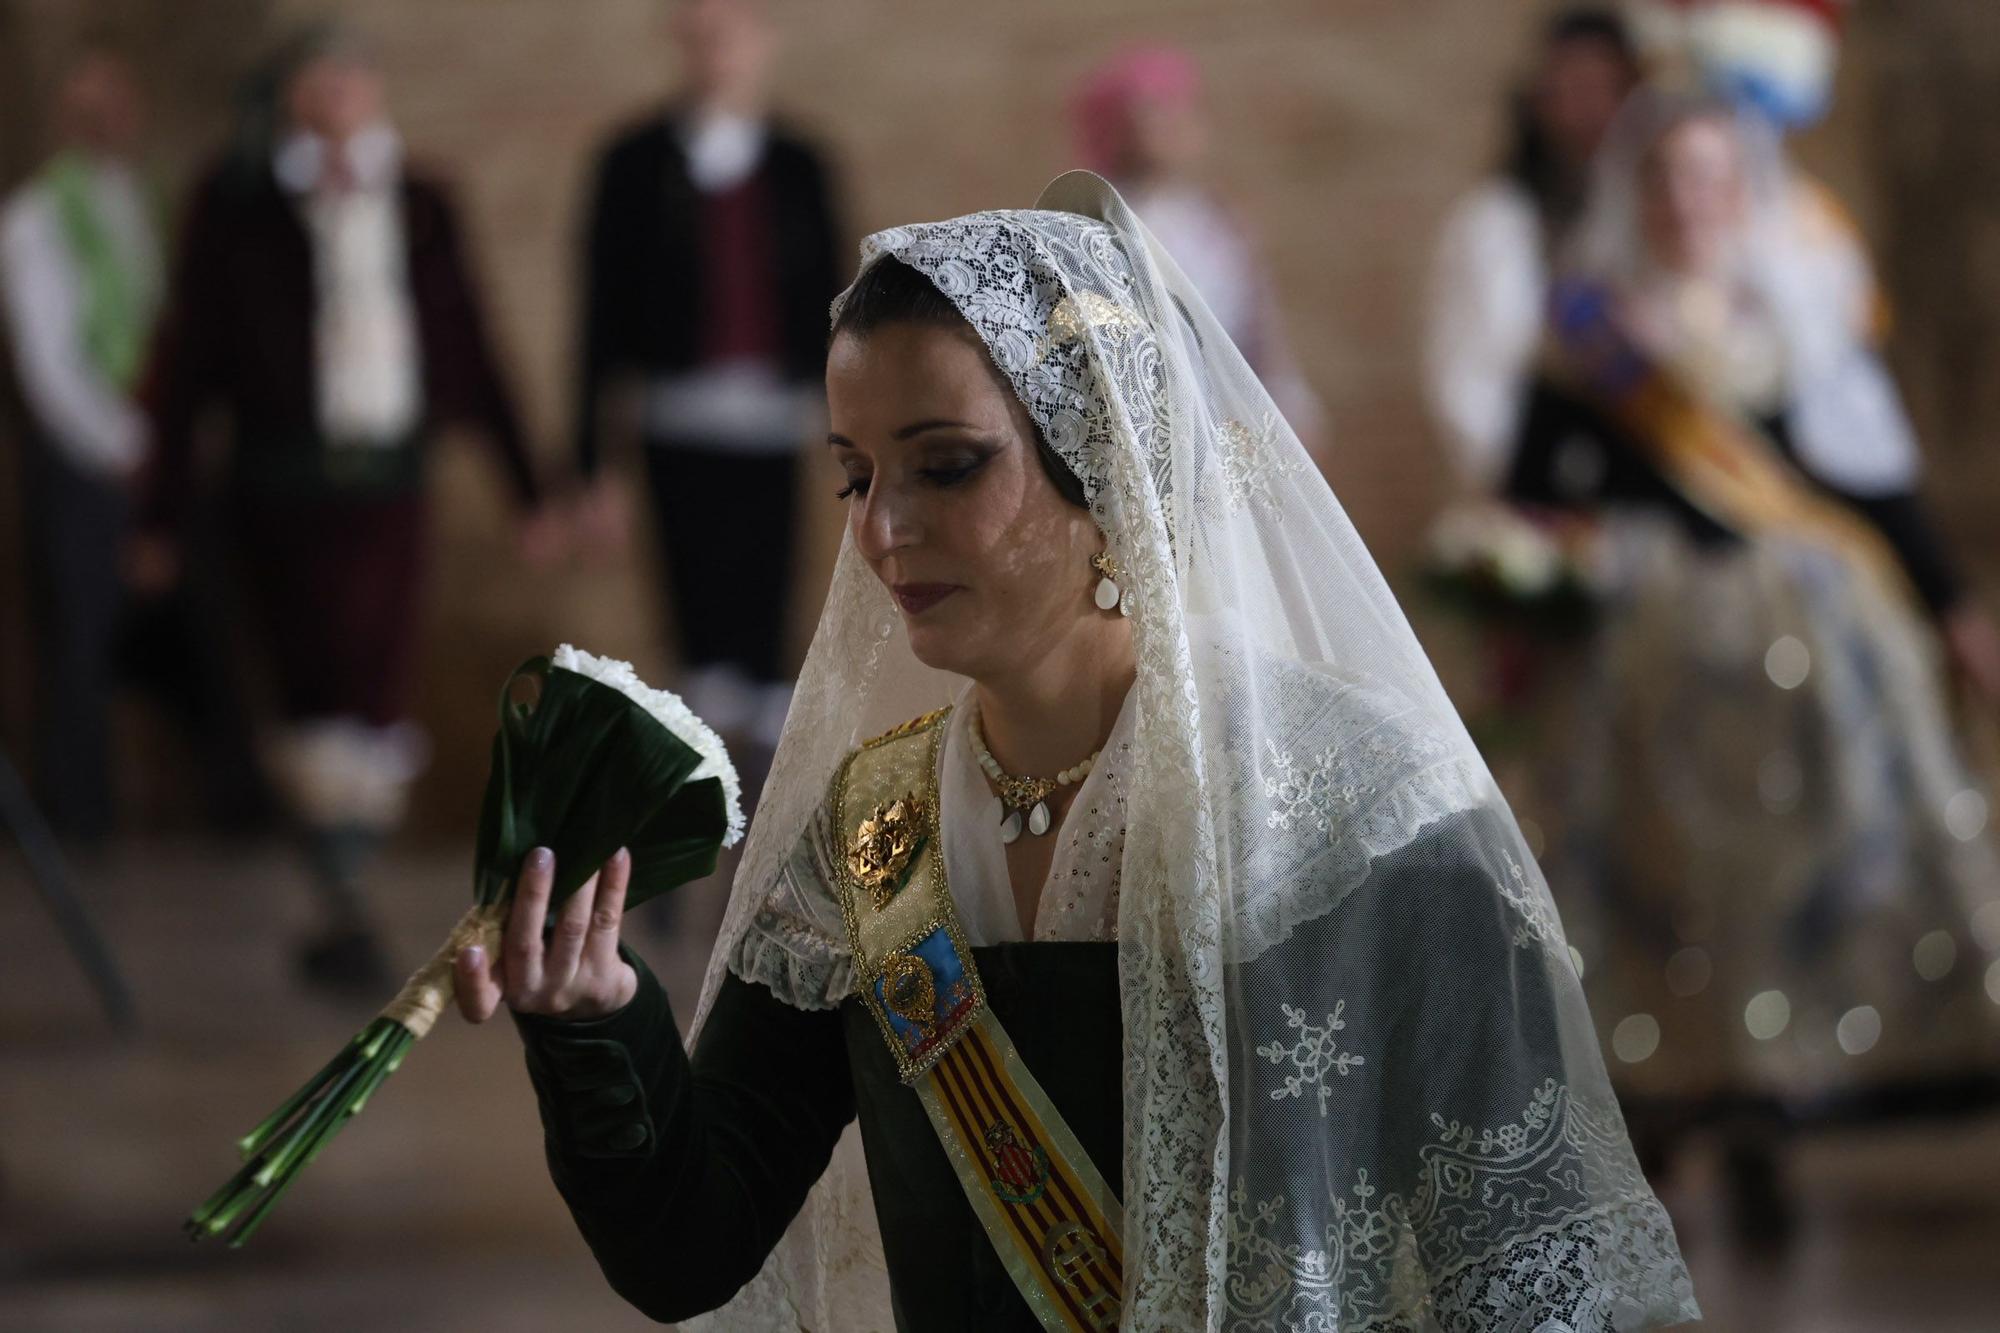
(324, 1112)
(280, 1148)
(399, 1047)
(255, 1140)
(271, 1196)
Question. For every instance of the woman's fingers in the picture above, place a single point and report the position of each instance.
(474, 984)
(577, 970)
(565, 945)
(523, 947)
(600, 950)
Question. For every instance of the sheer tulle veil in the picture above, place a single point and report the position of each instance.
(1349, 1105)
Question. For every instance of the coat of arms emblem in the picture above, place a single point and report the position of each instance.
(1020, 1170)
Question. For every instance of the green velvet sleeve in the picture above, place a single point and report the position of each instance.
(682, 1174)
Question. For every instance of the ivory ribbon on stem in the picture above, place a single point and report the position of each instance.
(430, 988)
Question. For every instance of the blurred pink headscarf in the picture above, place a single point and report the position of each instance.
(1101, 111)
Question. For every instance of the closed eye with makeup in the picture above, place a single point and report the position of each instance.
(951, 502)
(944, 455)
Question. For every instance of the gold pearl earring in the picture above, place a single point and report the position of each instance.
(1109, 594)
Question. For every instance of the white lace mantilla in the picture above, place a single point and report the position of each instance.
(1386, 1262)
(1313, 1056)
(1340, 973)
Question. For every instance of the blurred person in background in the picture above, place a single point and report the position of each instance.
(1777, 59)
(1489, 276)
(710, 252)
(1141, 121)
(1776, 867)
(322, 303)
(81, 270)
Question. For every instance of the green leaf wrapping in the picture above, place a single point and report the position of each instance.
(584, 770)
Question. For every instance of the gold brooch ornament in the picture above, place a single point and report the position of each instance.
(885, 845)
(1076, 315)
(909, 990)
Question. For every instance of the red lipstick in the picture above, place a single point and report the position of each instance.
(917, 598)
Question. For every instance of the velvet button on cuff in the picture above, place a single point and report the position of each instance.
(587, 1078)
(583, 1064)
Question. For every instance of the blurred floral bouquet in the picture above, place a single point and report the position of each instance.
(1504, 566)
(595, 761)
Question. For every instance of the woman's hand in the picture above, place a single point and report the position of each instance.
(577, 974)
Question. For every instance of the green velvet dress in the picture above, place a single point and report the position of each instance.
(683, 1173)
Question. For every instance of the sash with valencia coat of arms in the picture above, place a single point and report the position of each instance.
(1054, 1222)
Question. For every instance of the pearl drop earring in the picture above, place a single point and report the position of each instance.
(1109, 594)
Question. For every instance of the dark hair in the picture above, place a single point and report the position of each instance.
(891, 292)
(1591, 23)
(1530, 159)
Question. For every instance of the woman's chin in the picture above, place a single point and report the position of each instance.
(936, 650)
(940, 645)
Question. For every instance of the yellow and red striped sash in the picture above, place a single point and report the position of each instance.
(1053, 1220)
(1718, 461)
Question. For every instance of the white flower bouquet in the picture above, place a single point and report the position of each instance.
(1498, 563)
(595, 761)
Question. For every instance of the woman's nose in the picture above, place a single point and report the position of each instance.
(885, 523)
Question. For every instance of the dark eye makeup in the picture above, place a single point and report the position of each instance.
(949, 469)
(942, 468)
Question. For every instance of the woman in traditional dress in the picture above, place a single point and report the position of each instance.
(1124, 876)
(1784, 898)
(1140, 118)
(1489, 278)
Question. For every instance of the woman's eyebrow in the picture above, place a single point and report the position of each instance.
(933, 423)
(839, 441)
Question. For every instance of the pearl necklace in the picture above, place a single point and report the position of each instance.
(1018, 794)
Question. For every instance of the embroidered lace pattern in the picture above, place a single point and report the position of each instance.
(1361, 1087)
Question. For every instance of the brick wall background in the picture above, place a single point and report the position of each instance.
(1344, 127)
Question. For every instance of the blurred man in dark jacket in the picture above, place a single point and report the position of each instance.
(323, 307)
(711, 252)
